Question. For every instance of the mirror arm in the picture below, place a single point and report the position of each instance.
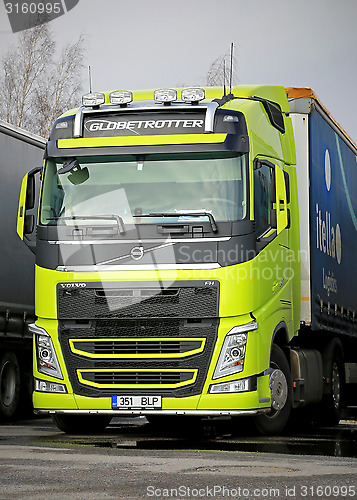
(35, 171)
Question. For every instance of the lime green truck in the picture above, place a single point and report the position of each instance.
(195, 255)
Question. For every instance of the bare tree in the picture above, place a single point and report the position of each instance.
(220, 70)
(34, 87)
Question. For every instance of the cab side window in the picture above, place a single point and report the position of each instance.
(262, 198)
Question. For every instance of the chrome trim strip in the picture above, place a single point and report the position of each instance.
(137, 242)
(78, 122)
(119, 413)
(210, 114)
(137, 267)
(126, 256)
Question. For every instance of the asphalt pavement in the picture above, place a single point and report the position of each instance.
(134, 460)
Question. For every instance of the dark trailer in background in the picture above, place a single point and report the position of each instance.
(20, 151)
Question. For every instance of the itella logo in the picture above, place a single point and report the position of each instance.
(25, 14)
(328, 234)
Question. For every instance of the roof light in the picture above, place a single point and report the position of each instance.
(61, 125)
(193, 95)
(121, 97)
(165, 95)
(93, 99)
(230, 118)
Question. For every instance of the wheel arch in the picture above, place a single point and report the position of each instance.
(281, 339)
(280, 336)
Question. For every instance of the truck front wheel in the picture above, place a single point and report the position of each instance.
(81, 424)
(281, 395)
(9, 385)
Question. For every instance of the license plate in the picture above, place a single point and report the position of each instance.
(136, 402)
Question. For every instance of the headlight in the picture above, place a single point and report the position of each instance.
(231, 359)
(47, 361)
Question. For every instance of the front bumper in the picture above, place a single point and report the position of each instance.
(245, 403)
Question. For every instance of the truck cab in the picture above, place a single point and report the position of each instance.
(167, 269)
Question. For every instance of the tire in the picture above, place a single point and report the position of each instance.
(281, 395)
(331, 406)
(81, 424)
(25, 406)
(9, 385)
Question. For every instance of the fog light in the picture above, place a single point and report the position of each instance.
(165, 95)
(193, 95)
(93, 99)
(121, 97)
(45, 386)
(234, 386)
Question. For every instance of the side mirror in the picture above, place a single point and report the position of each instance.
(25, 221)
(79, 175)
(29, 224)
(30, 193)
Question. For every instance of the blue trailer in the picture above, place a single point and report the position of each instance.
(327, 188)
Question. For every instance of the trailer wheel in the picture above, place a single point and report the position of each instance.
(281, 395)
(9, 385)
(25, 407)
(331, 407)
(81, 424)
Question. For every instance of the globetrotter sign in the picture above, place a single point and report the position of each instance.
(137, 125)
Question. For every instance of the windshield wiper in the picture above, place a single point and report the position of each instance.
(182, 213)
(117, 218)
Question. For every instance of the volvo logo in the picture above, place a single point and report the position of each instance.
(137, 253)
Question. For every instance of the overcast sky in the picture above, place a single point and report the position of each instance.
(136, 44)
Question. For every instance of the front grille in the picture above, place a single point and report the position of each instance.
(138, 337)
(122, 378)
(197, 299)
(139, 347)
(168, 334)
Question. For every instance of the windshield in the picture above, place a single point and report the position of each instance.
(130, 187)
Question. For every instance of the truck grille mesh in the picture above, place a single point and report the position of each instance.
(94, 301)
(165, 335)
